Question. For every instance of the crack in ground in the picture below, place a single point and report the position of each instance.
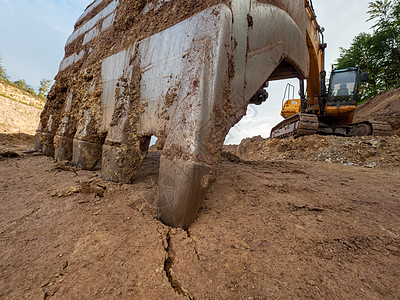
(168, 263)
(52, 285)
(189, 235)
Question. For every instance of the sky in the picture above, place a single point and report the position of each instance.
(33, 35)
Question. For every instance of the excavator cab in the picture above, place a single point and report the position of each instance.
(342, 96)
(343, 87)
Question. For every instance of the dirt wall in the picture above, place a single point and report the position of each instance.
(384, 107)
(16, 94)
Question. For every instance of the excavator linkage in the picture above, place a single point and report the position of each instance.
(178, 70)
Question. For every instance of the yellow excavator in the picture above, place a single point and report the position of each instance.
(325, 111)
(181, 70)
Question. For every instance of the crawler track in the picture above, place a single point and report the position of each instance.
(362, 129)
(295, 126)
(380, 128)
(307, 124)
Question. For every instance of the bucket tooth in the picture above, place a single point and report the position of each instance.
(45, 137)
(124, 149)
(63, 148)
(86, 155)
(38, 144)
(122, 162)
(87, 142)
(47, 144)
(182, 188)
(63, 140)
(37, 141)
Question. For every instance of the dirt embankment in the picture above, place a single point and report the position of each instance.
(385, 107)
(19, 112)
(368, 151)
(16, 94)
(18, 117)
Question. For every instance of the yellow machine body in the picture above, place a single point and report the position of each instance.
(336, 113)
(291, 107)
(341, 115)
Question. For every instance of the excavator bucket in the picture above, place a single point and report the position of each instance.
(181, 70)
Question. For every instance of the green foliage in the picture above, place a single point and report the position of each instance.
(22, 85)
(377, 53)
(44, 88)
(3, 74)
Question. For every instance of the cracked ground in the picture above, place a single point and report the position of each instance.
(267, 230)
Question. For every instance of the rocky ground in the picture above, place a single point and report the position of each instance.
(368, 151)
(385, 107)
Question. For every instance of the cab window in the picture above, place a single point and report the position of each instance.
(342, 86)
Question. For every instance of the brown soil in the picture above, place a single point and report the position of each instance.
(18, 117)
(17, 142)
(385, 107)
(20, 95)
(368, 151)
(267, 230)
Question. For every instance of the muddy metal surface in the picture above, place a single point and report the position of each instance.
(266, 230)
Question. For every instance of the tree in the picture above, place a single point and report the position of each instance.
(21, 84)
(377, 53)
(387, 14)
(360, 53)
(3, 74)
(44, 88)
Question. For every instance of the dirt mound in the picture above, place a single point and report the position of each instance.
(16, 141)
(367, 151)
(384, 107)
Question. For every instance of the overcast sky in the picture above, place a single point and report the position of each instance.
(33, 35)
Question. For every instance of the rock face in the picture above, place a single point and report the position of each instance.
(181, 70)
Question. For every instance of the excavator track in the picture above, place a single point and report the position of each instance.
(307, 124)
(370, 128)
(381, 128)
(295, 126)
